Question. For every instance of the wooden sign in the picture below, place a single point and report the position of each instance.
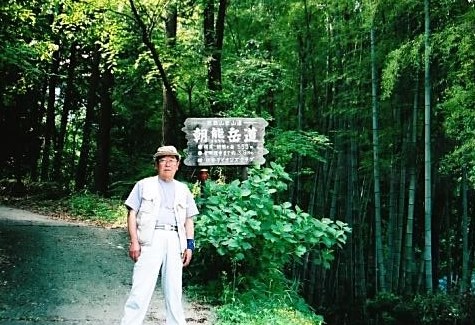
(225, 141)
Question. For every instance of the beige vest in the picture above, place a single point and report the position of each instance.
(149, 208)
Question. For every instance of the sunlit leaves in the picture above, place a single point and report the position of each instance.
(285, 144)
(250, 80)
(455, 48)
(407, 57)
(25, 45)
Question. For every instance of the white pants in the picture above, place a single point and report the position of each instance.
(164, 252)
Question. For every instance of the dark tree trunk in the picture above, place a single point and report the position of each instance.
(37, 130)
(29, 124)
(49, 129)
(82, 168)
(213, 39)
(104, 139)
(170, 98)
(69, 101)
(170, 107)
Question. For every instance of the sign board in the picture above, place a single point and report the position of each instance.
(225, 141)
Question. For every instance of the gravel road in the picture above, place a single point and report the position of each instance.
(56, 272)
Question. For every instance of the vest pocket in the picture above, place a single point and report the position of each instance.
(145, 227)
(146, 205)
(146, 221)
(180, 210)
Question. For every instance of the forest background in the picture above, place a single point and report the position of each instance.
(371, 118)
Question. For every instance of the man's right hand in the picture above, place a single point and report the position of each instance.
(134, 251)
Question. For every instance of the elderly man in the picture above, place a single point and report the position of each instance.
(161, 231)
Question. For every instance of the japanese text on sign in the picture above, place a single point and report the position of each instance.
(225, 141)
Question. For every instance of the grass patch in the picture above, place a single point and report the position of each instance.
(264, 312)
(256, 305)
(91, 207)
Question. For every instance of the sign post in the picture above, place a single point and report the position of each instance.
(225, 141)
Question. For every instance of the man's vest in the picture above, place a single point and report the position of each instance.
(150, 206)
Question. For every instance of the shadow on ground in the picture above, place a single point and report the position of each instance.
(56, 272)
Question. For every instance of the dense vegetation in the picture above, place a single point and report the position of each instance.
(371, 117)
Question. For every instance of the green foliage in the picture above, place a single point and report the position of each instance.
(283, 145)
(241, 223)
(264, 312)
(25, 47)
(278, 56)
(251, 81)
(257, 305)
(428, 309)
(248, 239)
(455, 46)
(437, 309)
(91, 207)
(405, 58)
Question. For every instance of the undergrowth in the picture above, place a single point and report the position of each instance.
(255, 306)
(91, 207)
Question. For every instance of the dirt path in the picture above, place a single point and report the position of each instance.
(57, 272)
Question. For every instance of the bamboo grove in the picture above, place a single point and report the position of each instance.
(370, 106)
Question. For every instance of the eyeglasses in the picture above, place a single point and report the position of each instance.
(167, 161)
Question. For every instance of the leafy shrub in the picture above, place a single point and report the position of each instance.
(251, 236)
(383, 306)
(439, 308)
(383, 302)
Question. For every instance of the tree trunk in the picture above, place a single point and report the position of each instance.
(102, 170)
(351, 210)
(170, 134)
(427, 155)
(381, 274)
(400, 222)
(359, 243)
(465, 283)
(37, 117)
(213, 41)
(69, 101)
(50, 117)
(392, 222)
(409, 264)
(300, 108)
(82, 168)
(172, 101)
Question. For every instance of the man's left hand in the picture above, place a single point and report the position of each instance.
(187, 257)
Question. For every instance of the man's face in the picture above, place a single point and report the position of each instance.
(166, 167)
